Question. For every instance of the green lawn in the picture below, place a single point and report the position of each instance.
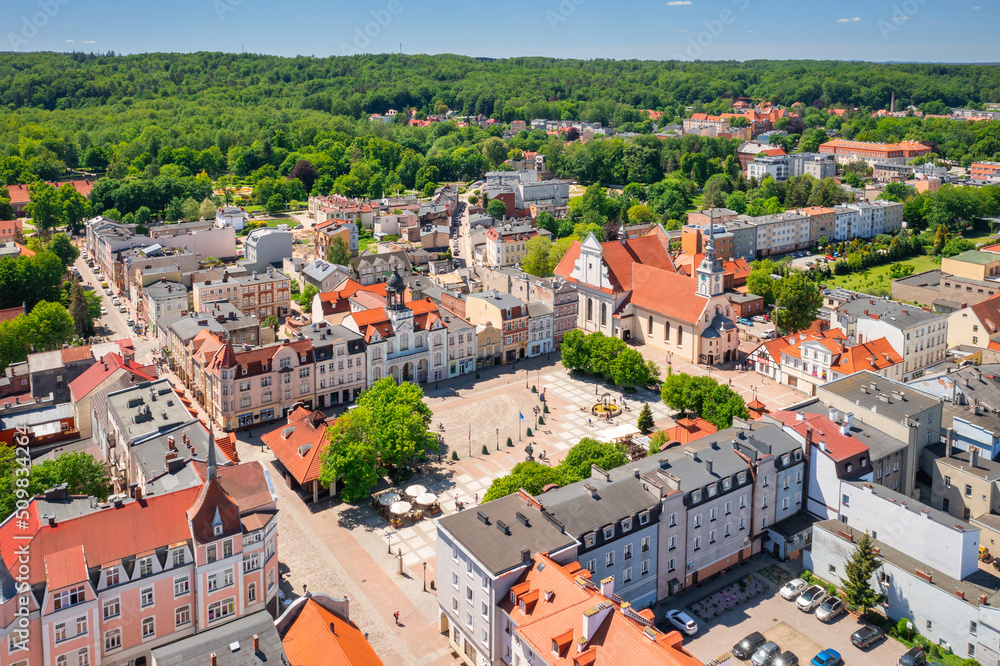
(876, 280)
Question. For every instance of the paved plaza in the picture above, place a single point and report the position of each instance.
(344, 549)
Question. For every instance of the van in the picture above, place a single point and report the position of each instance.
(767, 334)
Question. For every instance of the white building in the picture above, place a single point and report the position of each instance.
(539, 329)
(230, 216)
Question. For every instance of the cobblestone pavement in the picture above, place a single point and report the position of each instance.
(343, 549)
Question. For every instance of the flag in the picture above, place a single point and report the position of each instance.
(521, 415)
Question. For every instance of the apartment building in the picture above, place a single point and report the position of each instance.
(822, 223)
(984, 170)
(261, 295)
(540, 329)
(260, 385)
(782, 167)
(489, 346)
(335, 206)
(847, 223)
(506, 312)
(557, 294)
(780, 233)
(118, 580)
(341, 364)
(266, 247)
(744, 238)
(873, 153)
(163, 301)
(693, 237)
(910, 417)
(506, 244)
(222, 319)
(919, 336)
(461, 343)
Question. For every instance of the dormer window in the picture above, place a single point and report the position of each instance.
(217, 529)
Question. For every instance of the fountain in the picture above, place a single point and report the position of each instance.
(606, 408)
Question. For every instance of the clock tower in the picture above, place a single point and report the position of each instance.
(710, 272)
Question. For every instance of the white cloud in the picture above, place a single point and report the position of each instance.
(977, 7)
(683, 3)
(849, 20)
(69, 41)
(901, 18)
(89, 41)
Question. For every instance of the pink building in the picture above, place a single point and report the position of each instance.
(90, 584)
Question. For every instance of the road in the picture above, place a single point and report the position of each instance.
(112, 325)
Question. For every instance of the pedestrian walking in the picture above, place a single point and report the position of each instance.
(475, 498)
(396, 616)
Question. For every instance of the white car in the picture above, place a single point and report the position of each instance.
(793, 589)
(122, 309)
(104, 311)
(683, 622)
(809, 600)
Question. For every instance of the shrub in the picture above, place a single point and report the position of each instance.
(485, 450)
(832, 589)
(528, 433)
(509, 443)
(545, 409)
(454, 455)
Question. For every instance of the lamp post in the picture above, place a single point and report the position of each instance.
(389, 537)
(525, 378)
(425, 576)
(498, 439)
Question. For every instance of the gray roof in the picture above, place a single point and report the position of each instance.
(164, 289)
(742, 298)
(931, 278)
(879, 444)
(581, 512)
(988, 420)
(893, 313)
(977, 583)
(221, 641)
(850, 388)
(914, 506)
(962, 460)
(37, 417)
(496, 550)
(319, 270)
(538, 309)
(499, 299)
(130, 407)
(796, 523)
(150, 453)
(980, 383)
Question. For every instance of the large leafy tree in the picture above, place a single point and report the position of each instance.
(82, 473)
(858, 592)
(630, 369)
(575, 350)
(45, 209)
(536, 259)
(704, 397)
(496, 209)
(339, 252)
(799, 300)
(587, 452)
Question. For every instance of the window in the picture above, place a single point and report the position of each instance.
(627, 577)
(928, 624)
(181, 586)
(609, 533)
(227, 548)
(628, 551)
(213, 582)
(112, 608)
(211, 552)
(743, 523)
(609, 559)
(220, 609)
(728, 530)
(697, 520)
(146, 597)
(592, 565)
(626, 525)
(81, 625)
(673, 519)
(148, 627)
(968, 490)
(833, 568)
(112, 640)
(83, 657)
(182, 616)
(972, 649)
(111, 577)
(145, 566)
(743, 502)
(227, 578)
(252, 592)
(60, 631)
(697, 543)
(645, 544)
(454, 579)
(972, 631)
(70, 597)
(178, 558)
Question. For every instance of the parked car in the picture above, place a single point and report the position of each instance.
(116, 301)
(746, 647)
(104, 311)
(786, 658)
(768, 334)
(745, 321)
(865, 636)
(827, 657)
(130, 323)
(683, 622)
(122, 309)
(109, 292)
(793, 589)
(829, 609)
(759, 319)
(765, 654)
(810, 599)
(915, 656)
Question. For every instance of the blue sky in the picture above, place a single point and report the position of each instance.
(919, 30)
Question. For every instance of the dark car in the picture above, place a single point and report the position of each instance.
(865, 636)
(746, 647)
(915, 656)
(786, 658)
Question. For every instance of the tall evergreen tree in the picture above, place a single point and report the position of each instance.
(79, 310)
(858, 592)
(645, 423)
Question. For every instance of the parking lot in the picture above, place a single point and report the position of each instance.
(801, 633)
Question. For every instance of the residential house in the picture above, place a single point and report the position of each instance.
(506, 244)
(461, 343)
(780, 233)
(822, 222)
(266, 248)
(230, 216)
(298, 446)
(489, 346)
(260, 294)
(506, 312)
(845, 151)
(368, 268)
(539, 329)
(316, 626)
(339, 354)
(163, 301)
(99, 377)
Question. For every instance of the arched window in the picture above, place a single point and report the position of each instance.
(718, 309)
(680, 335)
(666, 331)
(590, 309)
(437, 358)
(604, 314)
(252, 592)
(729, 312)
(649, 325)
(404, 342)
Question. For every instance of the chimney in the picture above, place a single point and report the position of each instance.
(592, 619)
(256, 643)
(708, 467)
(635, 472)
(949, 442)
(833, 414)
(960, 593)
(171, 445)
(212, 660)
(525, 555)
(608, 586)
(974, 456)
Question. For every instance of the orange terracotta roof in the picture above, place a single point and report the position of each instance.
(96, 374)
(873, 355)
(688, 430)
(299, 443)
(988, 313)
(738, 268)
(319, 637)
(650, 286)
(11, 313)
(619, 258)
(995, 248)
(65, 568)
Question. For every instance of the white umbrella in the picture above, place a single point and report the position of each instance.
(426, 499)
(399, 508)
(388, 498)
(415, 490)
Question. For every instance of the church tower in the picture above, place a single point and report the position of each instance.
(710, 272)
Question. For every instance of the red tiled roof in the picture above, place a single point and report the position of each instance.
(300, 451)
(838, 446)
(650, 286)
(859, 357)
(688, 430)
(11, 313)
(738, 268)
(19, 193)
(65, 568)
(95, 375)
(619, 257)
(213, 500)
(319, 637)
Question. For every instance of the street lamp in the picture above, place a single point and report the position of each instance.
(425, 576)
(498, 439)
(389, 537)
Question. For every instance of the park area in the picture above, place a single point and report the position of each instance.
(877, 280)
